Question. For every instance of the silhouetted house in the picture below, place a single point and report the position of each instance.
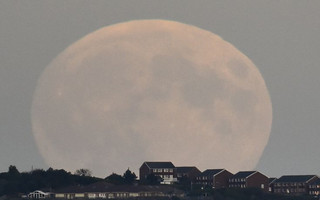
(189, 172)
(294, 184)
(71, 192)
(104, 190)
(166, 170)
(314, 188)
(216, 178)
(271, 184)
(249, 179)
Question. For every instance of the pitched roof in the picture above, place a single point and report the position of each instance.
(39, 191)
(317, 182)
(271, 180)
(185, 169)
(160, 164)
(243, 174)
(211, 172)
(295, 178)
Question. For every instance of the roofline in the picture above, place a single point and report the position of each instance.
(187, 166)
(147, 165)
(159, 162)
(300, 175)
(273, 180)
(252, 174)
(220, 172)
(312, 178)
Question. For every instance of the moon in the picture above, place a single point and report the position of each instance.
(151, 90)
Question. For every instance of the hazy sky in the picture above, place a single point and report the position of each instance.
(282, 38)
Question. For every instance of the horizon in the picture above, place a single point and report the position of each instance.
(280, 38)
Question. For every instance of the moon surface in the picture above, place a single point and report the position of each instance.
(151, 90)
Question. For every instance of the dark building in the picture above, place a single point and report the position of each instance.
(188, 172)
(102, 190)
(271, 184)
(249, 179)
(314, 188)
(166, 170)
(294, 184)
(216, 178)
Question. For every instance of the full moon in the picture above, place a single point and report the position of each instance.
(151, 90)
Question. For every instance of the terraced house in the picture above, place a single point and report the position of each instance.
(188, 172)
(249, 179)
(215, 178)
(166, 170)
(314, 188)
(294, 184)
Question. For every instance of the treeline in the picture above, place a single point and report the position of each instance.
(14, 182)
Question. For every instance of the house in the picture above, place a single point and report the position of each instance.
(215, 178)
(271, 184)
(249, 179)
(314, 188)
(102, 190)
(166, 170)
(188, 172)
(294, 184)
(71, 192)
(38, 194)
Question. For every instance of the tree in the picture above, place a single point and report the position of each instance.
(83, 172)
(129, 177)
(13, 171)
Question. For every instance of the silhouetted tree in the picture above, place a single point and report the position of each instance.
(13, 171)
(83, 172)
(13, 182)
(129, 177)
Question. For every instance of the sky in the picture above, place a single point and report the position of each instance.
(282, 38)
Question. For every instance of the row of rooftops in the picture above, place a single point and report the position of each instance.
(239, 175)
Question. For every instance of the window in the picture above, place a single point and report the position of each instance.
(262, 186)
(170, 170)
(166, 170)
